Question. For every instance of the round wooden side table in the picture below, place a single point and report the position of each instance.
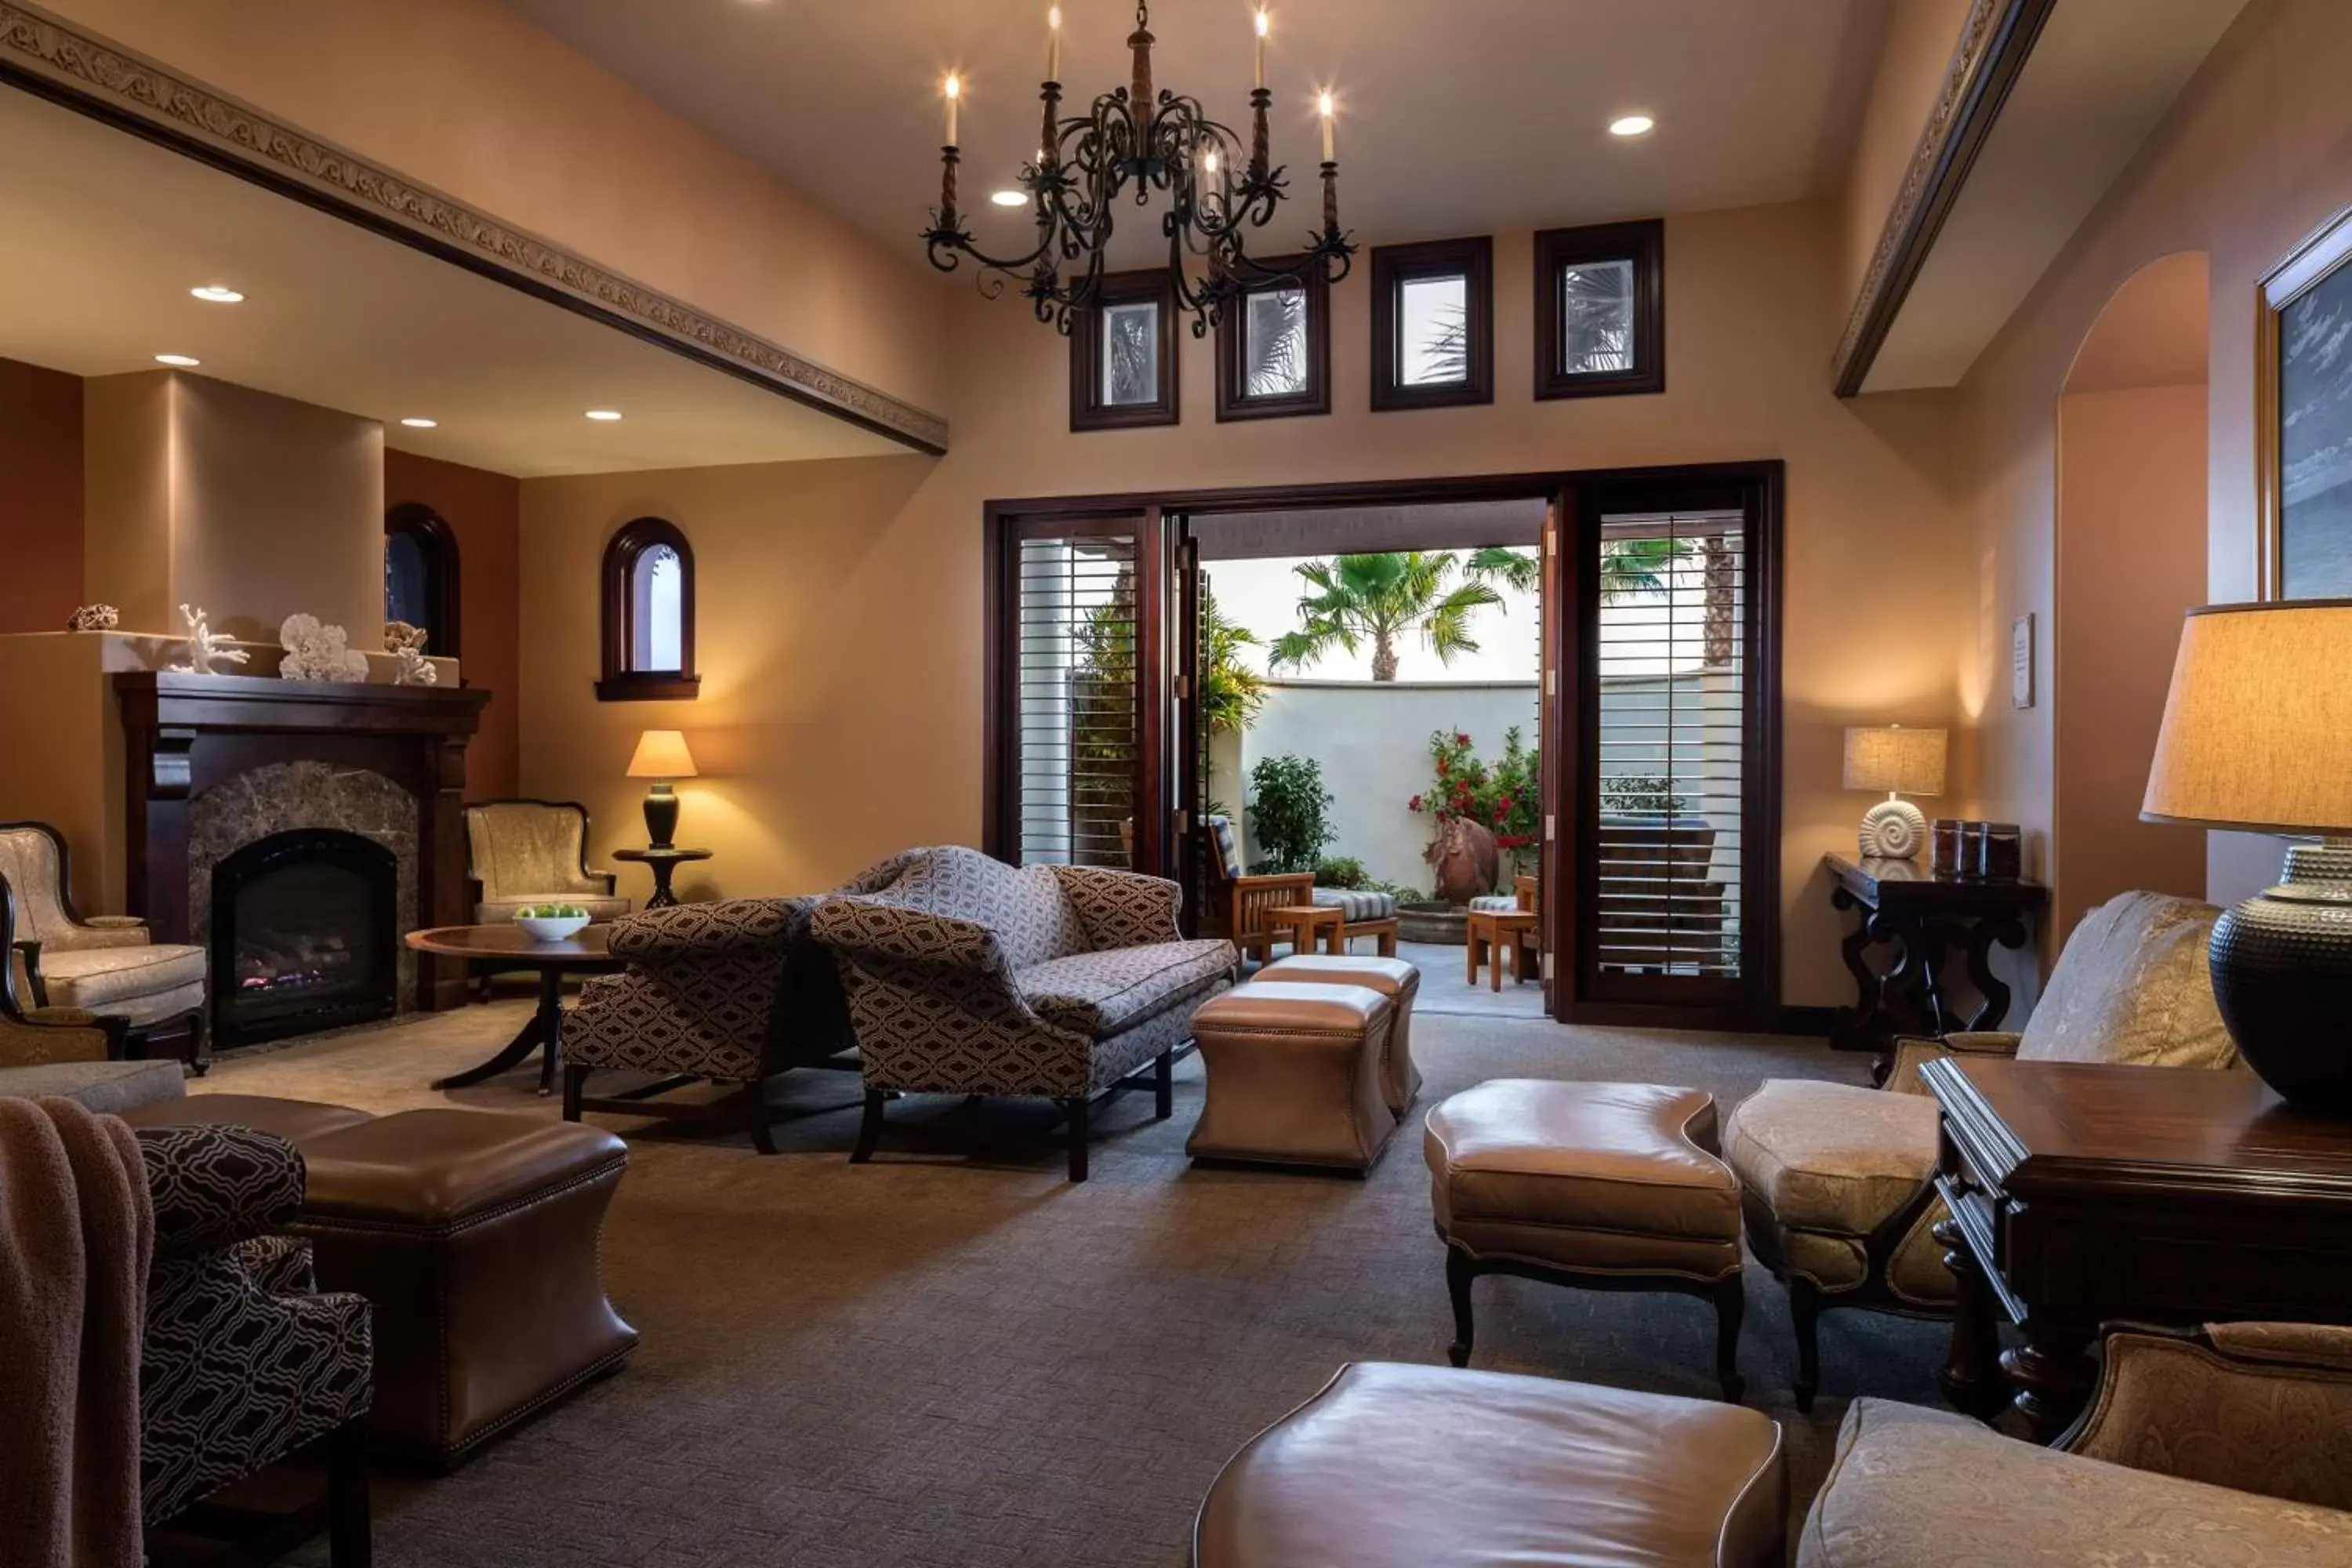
(663, 864)
(583, 953)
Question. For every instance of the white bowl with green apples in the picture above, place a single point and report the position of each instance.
(552, 922)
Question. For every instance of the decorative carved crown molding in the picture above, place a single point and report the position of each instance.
(48, 57)
(1995, 41)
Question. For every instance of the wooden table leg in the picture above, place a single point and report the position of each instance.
(1470, 948)
(1971, 1376)
(1337, 943)
(2054, 1372)
(537, 1034)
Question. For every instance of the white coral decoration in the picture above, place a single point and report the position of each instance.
(314, 652)
(205, 648)
(406, 645)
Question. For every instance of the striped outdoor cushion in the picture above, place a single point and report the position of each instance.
(1357, 906)
(1498, 903)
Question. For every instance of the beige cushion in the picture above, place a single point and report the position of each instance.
(113, 979)
(1595, 1176)
(2133, 986)
(1924, 1489)
(1831, 1156)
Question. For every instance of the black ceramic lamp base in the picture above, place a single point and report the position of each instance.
(661, 816)
(2281, 966)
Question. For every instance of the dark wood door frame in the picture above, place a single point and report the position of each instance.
(1004, 522)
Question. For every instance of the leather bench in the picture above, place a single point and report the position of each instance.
(475, 1236)
(1604, 1185)
(1393, 978)
(1294, 1076)
(1421, 1467)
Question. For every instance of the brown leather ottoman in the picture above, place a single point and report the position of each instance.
(475, 1235)
(1424, 1467)
(1393, 978)
(1294, 1076)
(296, 1121)
(1608, 1185)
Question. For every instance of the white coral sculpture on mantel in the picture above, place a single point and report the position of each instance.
(314, 652)
(406, 645)
(206, 647)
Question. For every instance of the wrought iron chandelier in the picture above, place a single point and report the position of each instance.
(1217, 191)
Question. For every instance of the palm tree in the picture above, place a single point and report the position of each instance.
(1275, 335)
(1383, 597)
(1633, 567)
(1231, 691)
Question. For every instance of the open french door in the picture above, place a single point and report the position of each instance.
(1085, 679)
(1663, 799)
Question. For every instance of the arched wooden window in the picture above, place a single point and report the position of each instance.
(420, 574)
(648, 614)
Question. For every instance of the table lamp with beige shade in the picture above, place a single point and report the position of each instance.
(2257, 737)
(662, 757)
(1901, 761)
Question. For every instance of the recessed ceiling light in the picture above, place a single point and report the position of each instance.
(1011, 198)
(213, 294)
(179, 362)
(1632, 125)
(420, 424)
(604, 415)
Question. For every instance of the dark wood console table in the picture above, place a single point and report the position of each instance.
(1926, 919)
(2081, 1195)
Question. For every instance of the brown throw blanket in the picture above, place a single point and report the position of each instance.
(76, 1233)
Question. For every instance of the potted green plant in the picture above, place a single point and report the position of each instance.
(1289, 813)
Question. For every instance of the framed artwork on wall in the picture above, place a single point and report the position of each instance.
(2303, 395)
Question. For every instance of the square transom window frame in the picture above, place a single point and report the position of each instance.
(1394, 266)
(1643, 243)
(1232, 348)
(1087, 409)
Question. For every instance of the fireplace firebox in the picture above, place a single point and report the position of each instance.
(303, 935)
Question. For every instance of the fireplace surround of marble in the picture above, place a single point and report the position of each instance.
(212, 763)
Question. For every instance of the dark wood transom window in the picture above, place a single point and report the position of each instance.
(1601, 310)
(648, 614)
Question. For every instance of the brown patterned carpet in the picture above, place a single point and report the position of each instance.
(950, 1357)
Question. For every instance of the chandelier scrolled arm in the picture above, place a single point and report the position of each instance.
(1220, 190)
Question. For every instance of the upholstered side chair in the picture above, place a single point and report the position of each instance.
(734, 992)
(525, 852)
(2232, 1444)
(103, 967)
(1837, 1180)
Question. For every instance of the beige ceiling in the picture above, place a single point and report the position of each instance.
(102, 235)
(1459, 116)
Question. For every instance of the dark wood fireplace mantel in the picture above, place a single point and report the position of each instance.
(183, 734)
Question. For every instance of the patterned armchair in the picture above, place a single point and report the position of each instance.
(969, 976)
(734, 992)
(2229, 1446)
(102, 965)
(1837, 1180)
(244, 1363)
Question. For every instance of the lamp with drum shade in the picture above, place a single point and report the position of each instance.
(661, 756)
(1901, 761)
(2257, 737)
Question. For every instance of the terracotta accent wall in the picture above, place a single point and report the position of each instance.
(40, 497)
(470, 98)
(840, 629)
(2256, 152)
(485, 511)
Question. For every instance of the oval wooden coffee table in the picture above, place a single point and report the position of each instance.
(584, 952)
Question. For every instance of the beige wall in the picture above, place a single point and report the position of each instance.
(841, 619)
(2131, 561)
(470, 98)
(248, 506)
(2256, 152)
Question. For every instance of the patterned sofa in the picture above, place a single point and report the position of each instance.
(243, 1360)
(734, 992)
(969, 976)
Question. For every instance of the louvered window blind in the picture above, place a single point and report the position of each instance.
(1079, 717)
(1673, 755)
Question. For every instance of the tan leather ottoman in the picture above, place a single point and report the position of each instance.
(1423, 1466)
(1393, 978)
(1606, 1186)
(475, 1235)
(1294, 1076)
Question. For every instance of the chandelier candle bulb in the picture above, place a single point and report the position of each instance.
(1326, 106)
(1261, 47)
(1054, 44)
(955, 96)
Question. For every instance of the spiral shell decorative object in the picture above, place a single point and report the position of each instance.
(1894, 830)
